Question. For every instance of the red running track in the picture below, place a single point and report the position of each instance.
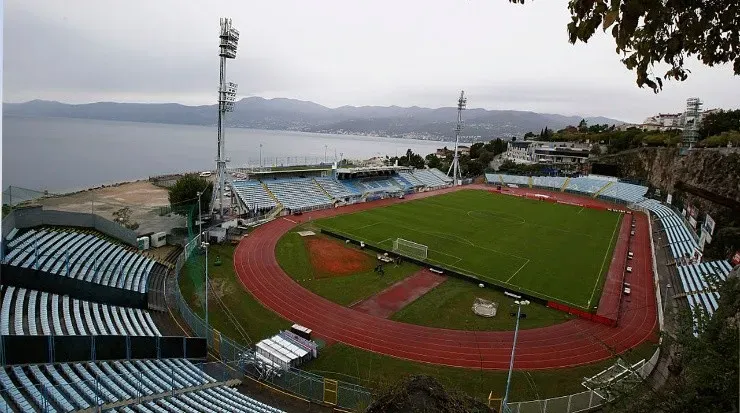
(575, 342)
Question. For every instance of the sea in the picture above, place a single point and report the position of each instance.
(63, 154)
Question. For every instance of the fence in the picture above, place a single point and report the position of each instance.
(299, 382)
(578, 402)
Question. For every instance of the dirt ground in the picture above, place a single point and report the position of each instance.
(333, 259)
(142, 197)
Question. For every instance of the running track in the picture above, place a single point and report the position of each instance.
(572, 343)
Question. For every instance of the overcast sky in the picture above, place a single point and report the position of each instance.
(333, 52)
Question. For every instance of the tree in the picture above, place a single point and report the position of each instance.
(185, 192)
(704, 373)
(529, 135)
(433, 161)
(123, 217)
(652, 32)
(583, 126)
(717, 122)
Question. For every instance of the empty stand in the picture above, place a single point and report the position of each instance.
(299, 194)
(254, 195)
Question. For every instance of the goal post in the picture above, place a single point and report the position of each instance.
(410, 248)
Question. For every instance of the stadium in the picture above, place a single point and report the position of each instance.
(320, 287)
(87, 316)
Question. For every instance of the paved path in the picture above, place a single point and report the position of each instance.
(400, 294)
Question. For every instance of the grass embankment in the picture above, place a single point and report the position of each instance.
(350, 364)
(227, 293)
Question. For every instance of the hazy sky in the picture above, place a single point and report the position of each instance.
(333, 52)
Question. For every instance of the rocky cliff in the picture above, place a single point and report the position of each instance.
(715, 170)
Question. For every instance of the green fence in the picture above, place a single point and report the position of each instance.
(295, 381)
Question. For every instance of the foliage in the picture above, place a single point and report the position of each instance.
(704, 375)
(6, 210)
(433, 161)
(123, 217)
(649, 33)
(721, 140)
(409, 159)
(717, 122)
(185, 192)
(725, 242)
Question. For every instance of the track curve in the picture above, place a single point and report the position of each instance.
(575, 342)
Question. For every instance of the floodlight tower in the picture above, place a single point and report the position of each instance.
(455, 167)
(229, 38)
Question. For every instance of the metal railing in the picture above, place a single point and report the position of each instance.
(299, 382)
(578, 402)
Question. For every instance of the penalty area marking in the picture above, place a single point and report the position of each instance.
(606, 253)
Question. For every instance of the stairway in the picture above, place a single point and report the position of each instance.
(277, 201)
(565, 184)
(603, 188)
(322, 189)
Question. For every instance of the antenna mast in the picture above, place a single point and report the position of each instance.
(455, 167)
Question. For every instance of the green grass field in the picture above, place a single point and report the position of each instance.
(293, 258)
(551, 251)
(449, 306)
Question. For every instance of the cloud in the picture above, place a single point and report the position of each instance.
(333, 52)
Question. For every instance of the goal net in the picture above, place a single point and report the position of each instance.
(485, 308)
(409, 248)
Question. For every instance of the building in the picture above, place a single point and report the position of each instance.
(663, 122)
(547, 152)
(443, 152)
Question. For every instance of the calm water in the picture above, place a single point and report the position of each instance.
(60, 154)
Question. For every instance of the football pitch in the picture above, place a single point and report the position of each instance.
(551, 251)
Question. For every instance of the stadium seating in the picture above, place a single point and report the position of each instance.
(379, 184)
(696, 286)
(429, 178)
(82, 255)
(515, 179)
(68, 316)
(299, 194)
(441, 175)
(680, 240)
(585, 185)
(625, 192)
(410, 178)
(550, 182)
(336, 189)
(73, 386)
(253, 195)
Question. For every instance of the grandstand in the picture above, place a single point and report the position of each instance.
(681, 241)
(80, 254)
(583, 184)
(48, 338)
(698, 287)
(299, 194)
(549, 182)
(265, 191)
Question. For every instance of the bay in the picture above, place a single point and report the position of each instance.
(64, 154)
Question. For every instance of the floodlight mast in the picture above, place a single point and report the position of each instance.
(455, 167)
(229, 39)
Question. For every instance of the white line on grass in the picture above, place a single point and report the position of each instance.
(517, 271)
(581, 210)
(366, 226)
(606, 253)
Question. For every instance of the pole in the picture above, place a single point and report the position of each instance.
(207, 333)
(200, 220)
(260, 156)
(325, 148)
(511, 362)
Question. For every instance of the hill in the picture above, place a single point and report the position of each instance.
(292, 114)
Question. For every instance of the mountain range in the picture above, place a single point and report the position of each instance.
(297, 115)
